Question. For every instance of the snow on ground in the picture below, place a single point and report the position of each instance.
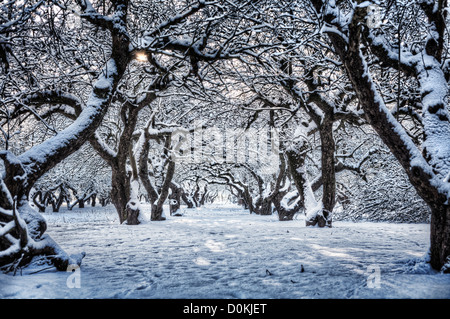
(224, 252)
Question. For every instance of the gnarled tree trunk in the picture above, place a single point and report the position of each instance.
(22, 172)
(328, 171)
(422, 169)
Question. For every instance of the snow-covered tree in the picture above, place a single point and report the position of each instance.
(22, 232)
(420, 56)
(127, 76)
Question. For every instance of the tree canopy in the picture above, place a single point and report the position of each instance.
(284, 107)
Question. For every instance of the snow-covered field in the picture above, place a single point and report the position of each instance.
(224, 252)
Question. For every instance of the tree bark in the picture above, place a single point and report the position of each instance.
(263, 206)
(143, 168)
(187, 200)
(157, 208)
(120, 191)
(296, 156)
(93, 199)
(195, 196)
(287, 213)
(203, 197)
(175, 199)
(38, 201)
(132, 214)
(440, 237)
(328, 171)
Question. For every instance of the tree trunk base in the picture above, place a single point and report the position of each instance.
(322, 219)
(174, 206)
(440, 238)
(157, 213)
(132, 213)
(286, 215)
(33, 243)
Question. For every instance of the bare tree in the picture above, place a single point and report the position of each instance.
(428, 169)
(23, 236)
